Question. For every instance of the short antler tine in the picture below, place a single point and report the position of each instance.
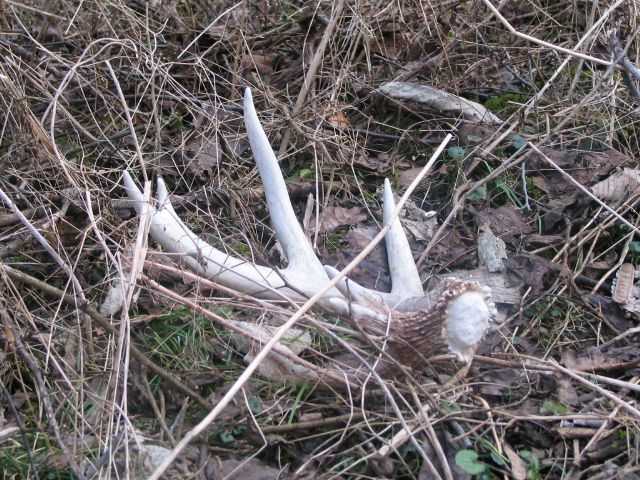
(177, 238)
(295, 244)
(133, 191)
(405, 279)
(162, 194)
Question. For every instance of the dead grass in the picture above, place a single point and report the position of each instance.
(91, 88)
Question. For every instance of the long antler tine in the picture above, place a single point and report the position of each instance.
(295, 244)
(405, 279)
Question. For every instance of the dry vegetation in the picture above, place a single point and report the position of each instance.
(88, 89)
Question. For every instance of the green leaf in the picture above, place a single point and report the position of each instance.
(478, 194)
(306, 174)
(456, 153)
(497, 459)
(227, 437)
(451, 407)
(468, 461)
(517, 140)
(531, 458)
(553, 407)
(474, 139)
(634, 247)
(255, 405)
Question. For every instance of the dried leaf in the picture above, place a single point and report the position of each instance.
(518, 467)
(237, 144)
(618, 186)
(205, 154)
(623, 287)
(422, 230)
(611, 310)
(373, 271)
(566, 392)
(152, 455)
(492, 251)
(421, 224)
(470, 133)
(506, 222)
(533, 270)
(379, 163)
(406, 177)
(335, 218)
(262, 63)
(339, 120)
(595, 360)
(439, 100)
(247, 469)
(274, 366)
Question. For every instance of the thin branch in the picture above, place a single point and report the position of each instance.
(277, 336)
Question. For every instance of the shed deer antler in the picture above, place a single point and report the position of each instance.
(417, 325)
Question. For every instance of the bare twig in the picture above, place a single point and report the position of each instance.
(294, 318)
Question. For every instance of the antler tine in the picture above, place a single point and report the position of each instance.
(175, 237)
(294, 242)
(304, 273)
(405, 280)
(453, 316)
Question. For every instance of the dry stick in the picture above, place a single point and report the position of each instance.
(156, 410)
(208, 28)
(11, 218)
(84, 306)
(262, 304)
(306, 425)
(621, 259)
(596, 436)
(531, 362)
(127, 114)
(584, 190)
(515, 160)
(574, 53)
(311, 73)
(533, 101)
(8, 398)
(435, 443)
(123, 348)
(293, 319)
(333, 373)
(32, 365)
(601, 378)
(625, 405)
(45, 244)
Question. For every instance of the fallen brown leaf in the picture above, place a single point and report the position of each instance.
(518, 468)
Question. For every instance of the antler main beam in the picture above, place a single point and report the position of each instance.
(452, 318)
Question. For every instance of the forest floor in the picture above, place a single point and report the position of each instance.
(547, 175)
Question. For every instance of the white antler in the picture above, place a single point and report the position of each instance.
(454, 317)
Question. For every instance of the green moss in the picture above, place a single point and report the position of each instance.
(504, 103)
(333, 241)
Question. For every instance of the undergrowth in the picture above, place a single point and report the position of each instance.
(89, 89)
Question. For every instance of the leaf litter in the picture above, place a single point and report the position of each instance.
(542, 245)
